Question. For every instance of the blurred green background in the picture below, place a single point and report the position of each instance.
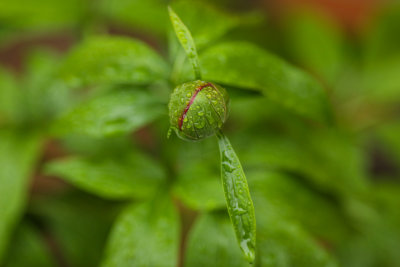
(88, 177)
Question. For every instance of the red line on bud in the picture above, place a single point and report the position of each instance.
(198, 89)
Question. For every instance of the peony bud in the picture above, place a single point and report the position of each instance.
(198, 109)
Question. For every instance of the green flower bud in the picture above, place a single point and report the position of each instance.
(198, 109)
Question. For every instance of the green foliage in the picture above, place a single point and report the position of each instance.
(319, 43)
(18, 156)
(112, 60)
(221, 250)
(28, 248)
(111, 114)
(89, 178)
(142, 229)
(245, 65)
(186, 40)
(111, 177)
(238, 199)
(78, 225)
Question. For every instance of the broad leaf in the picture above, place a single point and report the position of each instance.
(145, 234)
(282, 243)
(118, 112)
(306, 154)
(199, 187)
(125, 176)
(242, 64)
(212, 242)
(43, 97)
(18, 153)
(382, 38)
(296, 201)
(198, 183)
(382, 82)
(316, 43)
(10, 98)
(78, 223)
(112, 60)
(389, 134)
(149, 15)
(28, 248)
(41, 15)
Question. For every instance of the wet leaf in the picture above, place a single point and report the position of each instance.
(112, 60)
(140, 231)
(116, 113)
(132, 175)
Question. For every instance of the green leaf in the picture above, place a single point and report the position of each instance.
(206, 22)
(318, 43)
(382, 39)
(124, 176)
(238, 199)
(41, 15)
(283, 243)
(118, 112)
(382, 82)
(389, 133)
(212, 242)
(306, 154)
(198, 182)
(18, 153)
(145, 234)
(150, 15)
(186, 40)
(112, 60)
(78, 224)
(318, 214)
(241, 64)
(199, 186)
(10, 98)
(44, 97)
(28, 248)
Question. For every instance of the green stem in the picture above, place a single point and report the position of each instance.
(238, 200)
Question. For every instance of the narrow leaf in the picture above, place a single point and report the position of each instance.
(186, 40)
(238, 200)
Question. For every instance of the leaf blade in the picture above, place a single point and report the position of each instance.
(244, 65)
(18, 152)
(112, 114)
(141, 230)
(220, 250)
(186, 40)
(112, 60)
(238, 199)
(128, 176)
